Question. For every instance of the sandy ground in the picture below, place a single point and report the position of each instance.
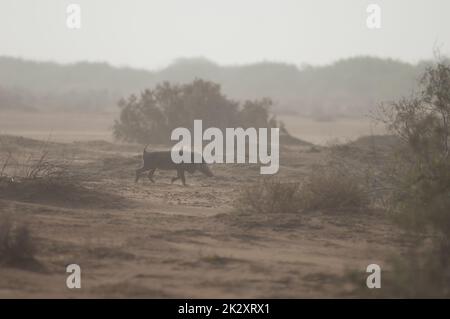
(165, 240)
(61, 127)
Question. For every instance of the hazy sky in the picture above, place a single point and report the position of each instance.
(152, 33)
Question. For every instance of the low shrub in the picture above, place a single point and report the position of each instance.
(269, 196)
(329, 189)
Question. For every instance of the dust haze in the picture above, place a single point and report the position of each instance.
(86, 112)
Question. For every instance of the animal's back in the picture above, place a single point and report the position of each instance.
(159, 159)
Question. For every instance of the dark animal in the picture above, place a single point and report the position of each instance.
(163, 160)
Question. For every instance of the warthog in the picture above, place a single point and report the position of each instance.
(163, 160)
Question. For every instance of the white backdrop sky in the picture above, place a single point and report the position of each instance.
(152, 33)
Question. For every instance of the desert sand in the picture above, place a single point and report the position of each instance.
(156, 240)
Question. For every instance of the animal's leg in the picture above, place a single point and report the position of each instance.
(175, 178)
(138, 173)
(183, 179)
(150, 175)
(180, 175)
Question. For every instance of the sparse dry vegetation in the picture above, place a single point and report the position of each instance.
(419, 184)
(325, 188)
(420, 199)
(328, 189)
(37, 164)
(30, 171)
(34, 175)
(269, 196)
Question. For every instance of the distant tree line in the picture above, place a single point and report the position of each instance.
(16, 99)
(151, 117)
(347, 87)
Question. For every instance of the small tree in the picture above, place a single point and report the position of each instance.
(256, 114)
(141, 120)
(421, 198)
(151, 117)
(420, 183)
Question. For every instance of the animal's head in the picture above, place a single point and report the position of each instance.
(205, 170)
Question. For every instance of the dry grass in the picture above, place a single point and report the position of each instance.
(16, 164)
(33, 171)
(323, 189)
(329, 189)
(269, 196)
